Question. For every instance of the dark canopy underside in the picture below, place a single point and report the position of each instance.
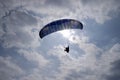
(58, 25)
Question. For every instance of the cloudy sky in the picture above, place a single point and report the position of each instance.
(94, 51)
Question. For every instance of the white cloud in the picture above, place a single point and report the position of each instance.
(16, 30)
(112, 54)
(35, 75)
(34, 57)
(43, 11)
(19, 28)
(9, 70)
(95, 63)
(78, 9)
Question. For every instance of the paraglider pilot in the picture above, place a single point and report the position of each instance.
(66, 49)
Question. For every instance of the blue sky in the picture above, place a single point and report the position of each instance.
(94, 53)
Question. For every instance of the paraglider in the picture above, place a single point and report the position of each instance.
(58, 25)
(66, 49)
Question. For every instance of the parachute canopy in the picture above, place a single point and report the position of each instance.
(58, 25)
